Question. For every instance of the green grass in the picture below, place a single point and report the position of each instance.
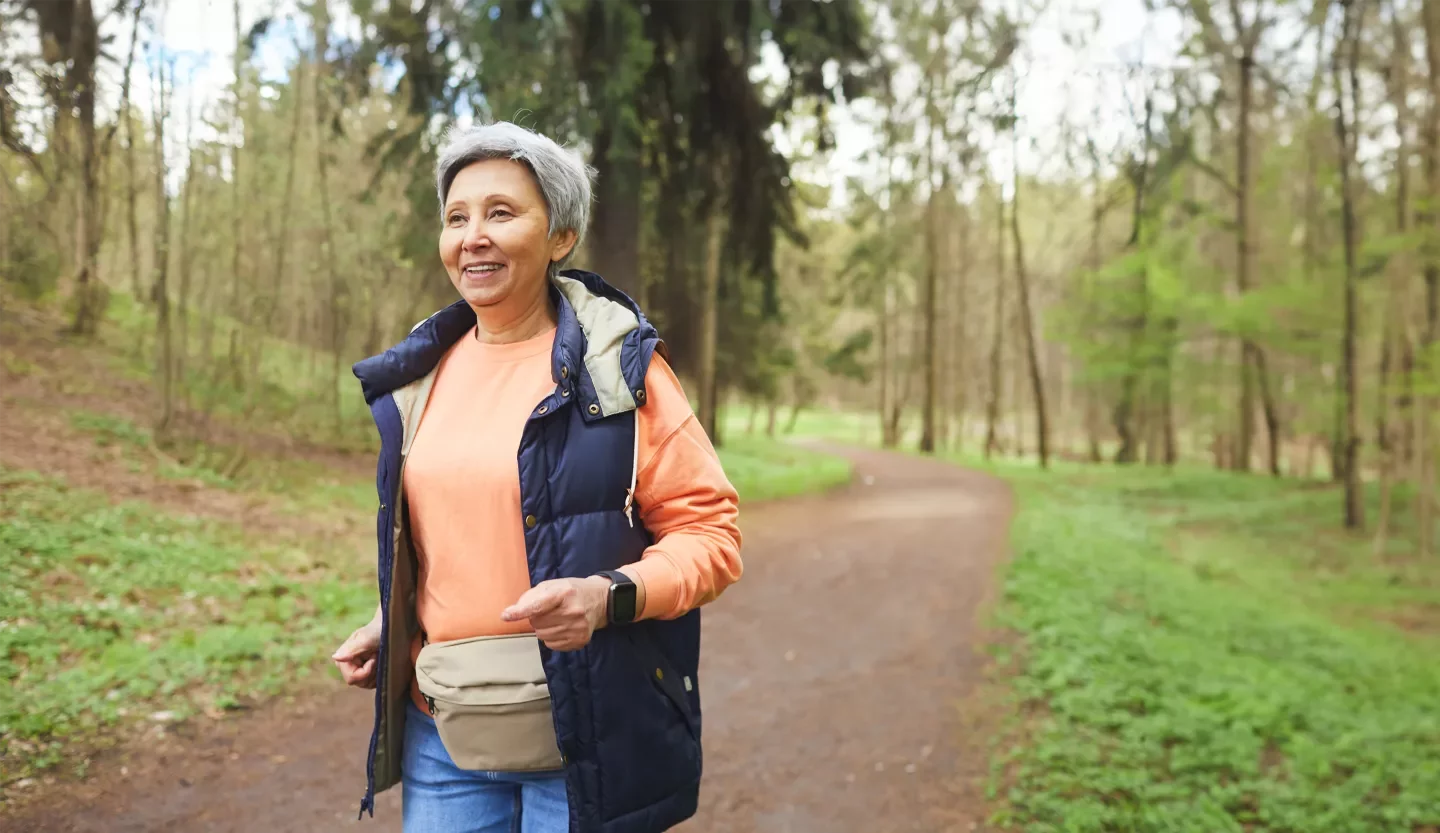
(111, 612)
(765, 469)
(1200, 651)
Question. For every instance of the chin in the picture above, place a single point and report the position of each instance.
(483, 296)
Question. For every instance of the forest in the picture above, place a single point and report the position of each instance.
(1228, 259)
(1178, 257)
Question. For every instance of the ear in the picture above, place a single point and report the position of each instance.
(561, 244)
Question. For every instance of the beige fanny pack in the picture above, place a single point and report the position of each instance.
(491, 702)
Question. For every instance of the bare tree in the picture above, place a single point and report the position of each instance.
(160, 288)
(997, 344)
(1027, 318)
(1348, 48)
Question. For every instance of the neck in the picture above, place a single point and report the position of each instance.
(508, 323)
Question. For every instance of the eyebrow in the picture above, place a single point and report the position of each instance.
(490, 200)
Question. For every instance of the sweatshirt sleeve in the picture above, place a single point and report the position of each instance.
(686, 502)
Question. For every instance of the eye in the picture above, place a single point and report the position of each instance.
(500, 214)
(455, 218)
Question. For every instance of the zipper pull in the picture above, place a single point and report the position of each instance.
(430, 701)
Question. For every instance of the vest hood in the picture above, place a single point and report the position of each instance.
(601, 337)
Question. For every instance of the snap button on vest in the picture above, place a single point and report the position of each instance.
(530, 521)
(640, 395)
(659, 675)
(544, 409)
(564, 372)
(594, 409)
(564, 392)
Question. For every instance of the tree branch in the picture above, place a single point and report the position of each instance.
(1214, 173)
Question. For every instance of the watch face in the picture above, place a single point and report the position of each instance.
(622, 602)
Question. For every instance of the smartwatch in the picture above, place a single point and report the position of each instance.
(620, 604)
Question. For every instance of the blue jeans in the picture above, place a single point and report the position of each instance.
(439, 797)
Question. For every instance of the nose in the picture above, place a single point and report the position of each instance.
(476, 237)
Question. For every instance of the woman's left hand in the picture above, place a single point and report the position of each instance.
(565, 612)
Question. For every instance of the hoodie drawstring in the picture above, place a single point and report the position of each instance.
(634, 475)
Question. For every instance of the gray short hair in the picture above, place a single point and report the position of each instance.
(563, 177)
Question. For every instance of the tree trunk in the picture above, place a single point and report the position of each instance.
(1425, 491)
(186, 258)
(1027, 318)
(928, 307)
(888, 439)
(1268, 407)
(887, 436)
(959, 402)
(1430, 219)
(1125, 408)
(1394, 306)
(1344, 134)
(132, 183)
(267, 299)
(237, 214)
(339, 290)
(709, 317)
(160, 290)
(614, 244)
(6, 209)
(84, 51)
(997, 345)
(1429, 216)
(1243, 254)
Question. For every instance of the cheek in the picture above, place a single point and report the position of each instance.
(523, 241)
(450, 240)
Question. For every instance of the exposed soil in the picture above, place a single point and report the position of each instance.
(839, 679)
(45, 378)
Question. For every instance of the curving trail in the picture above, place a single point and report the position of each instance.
(835, 675)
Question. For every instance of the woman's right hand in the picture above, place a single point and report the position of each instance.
(356, 656)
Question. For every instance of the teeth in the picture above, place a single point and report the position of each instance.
(488, 267)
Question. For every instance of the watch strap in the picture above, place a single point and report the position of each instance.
(616, 576)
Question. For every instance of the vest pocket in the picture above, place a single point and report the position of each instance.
(664, 677)
(645, 739)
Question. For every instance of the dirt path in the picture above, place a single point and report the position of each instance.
(836, 676)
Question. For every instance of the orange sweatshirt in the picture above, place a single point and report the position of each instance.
(462, 481)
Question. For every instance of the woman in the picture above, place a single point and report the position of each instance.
(551, 517)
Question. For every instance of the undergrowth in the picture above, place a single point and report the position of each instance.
(1210, 652)
(115, 611)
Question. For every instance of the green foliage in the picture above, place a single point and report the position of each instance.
(845, 361)
(293, 390)
(763, 469)
(111, 612)
(110, 430)
(1199, 654)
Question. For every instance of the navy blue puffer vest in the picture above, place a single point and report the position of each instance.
(627, 706)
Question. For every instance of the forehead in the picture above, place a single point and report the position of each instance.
(494, 177)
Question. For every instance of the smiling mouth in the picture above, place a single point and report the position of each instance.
(480, 270)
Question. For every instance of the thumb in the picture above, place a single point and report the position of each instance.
(347, 650)
(535, 601)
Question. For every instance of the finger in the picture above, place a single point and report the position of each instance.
(539, 599)
(354, 668)
(552, 633)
